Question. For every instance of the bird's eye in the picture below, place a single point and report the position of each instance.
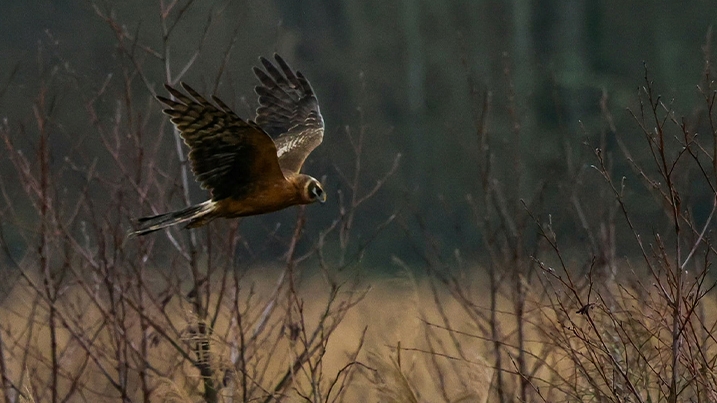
(317, 192)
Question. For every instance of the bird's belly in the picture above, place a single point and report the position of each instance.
(259, 202)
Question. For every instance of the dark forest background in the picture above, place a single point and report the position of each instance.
(413, 74)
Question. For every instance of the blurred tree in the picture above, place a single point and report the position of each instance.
(416, 92)
(415, 69)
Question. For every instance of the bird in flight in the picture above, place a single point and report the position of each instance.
(250, 167)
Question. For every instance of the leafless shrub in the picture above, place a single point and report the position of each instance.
(173, 316)
(554, 329)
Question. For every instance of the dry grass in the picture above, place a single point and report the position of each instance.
(403, 348)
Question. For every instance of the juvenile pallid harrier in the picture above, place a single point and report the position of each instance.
(246, 171)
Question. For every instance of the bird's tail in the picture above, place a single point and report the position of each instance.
(197, 215)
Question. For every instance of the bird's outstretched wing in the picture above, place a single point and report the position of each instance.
(289, 111)
(228, 155)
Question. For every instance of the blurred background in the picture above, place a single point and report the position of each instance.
(412, 75)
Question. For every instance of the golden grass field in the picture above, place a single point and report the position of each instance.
(392, 312)
(435, 364)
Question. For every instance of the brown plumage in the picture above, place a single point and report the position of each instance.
(246, 171)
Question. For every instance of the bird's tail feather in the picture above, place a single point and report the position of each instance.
(196, 215)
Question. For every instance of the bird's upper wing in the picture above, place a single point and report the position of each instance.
(289, 111)
(228, 155)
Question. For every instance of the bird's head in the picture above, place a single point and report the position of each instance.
(313, 191)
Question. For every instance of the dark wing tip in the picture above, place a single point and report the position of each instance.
(262, 76)
(224, 107)
(166, 101)
(187, 87)
(175, 93)
(305, 84)
(266, 63)
(192, 92)
(280, 60)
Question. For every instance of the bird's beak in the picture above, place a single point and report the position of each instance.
(322, 199)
